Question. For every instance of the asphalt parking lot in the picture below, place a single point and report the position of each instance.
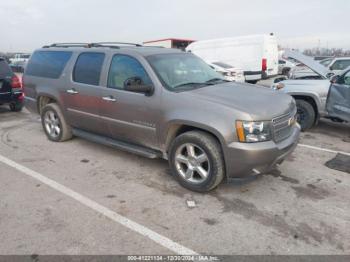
(79, 197)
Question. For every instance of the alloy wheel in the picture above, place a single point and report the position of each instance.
(192, 163)
(52, 124)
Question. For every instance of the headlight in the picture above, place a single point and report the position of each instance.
(250, 132)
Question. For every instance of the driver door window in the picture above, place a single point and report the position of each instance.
(347, 79)
(124, 67)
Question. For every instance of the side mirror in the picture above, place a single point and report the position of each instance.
(334, 79)
(135, 84)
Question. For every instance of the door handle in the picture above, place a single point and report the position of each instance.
(72, 91)
(109, 98)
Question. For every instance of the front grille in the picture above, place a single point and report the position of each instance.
(282, 126)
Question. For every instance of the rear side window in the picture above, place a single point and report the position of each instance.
(87, 69)
(5, 69)
(48, 64)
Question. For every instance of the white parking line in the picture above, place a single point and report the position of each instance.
(324, 149)
(159, 239)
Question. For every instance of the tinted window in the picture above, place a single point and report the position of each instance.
(341, 64)
(87, 69)
(49, 64)
(281, 62)
(347, 78)
(124, 67)
(5, 69)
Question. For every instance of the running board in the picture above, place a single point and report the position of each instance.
(139, 150)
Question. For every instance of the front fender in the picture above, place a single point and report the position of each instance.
(175, 124)
(320, 105)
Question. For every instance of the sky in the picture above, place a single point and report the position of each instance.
(28, 24)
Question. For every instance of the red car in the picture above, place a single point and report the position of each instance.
(11, 90)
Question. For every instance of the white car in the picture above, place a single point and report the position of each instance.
(230, 73)
(20, 59)
(336, 65)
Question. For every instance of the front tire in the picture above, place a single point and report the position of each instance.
(196, 160)
(306, 115)
(54, 124)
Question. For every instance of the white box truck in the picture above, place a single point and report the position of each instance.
(257, 55)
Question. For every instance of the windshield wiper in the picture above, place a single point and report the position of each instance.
(216, 80)
(206, 83)
(190, 83)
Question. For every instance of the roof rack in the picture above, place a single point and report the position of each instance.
(89, 45)
(67, 45)
(114, 43)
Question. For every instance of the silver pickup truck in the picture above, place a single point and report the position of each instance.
(317, 91)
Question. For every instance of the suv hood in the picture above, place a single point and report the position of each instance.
(308, 61)
(259, 102)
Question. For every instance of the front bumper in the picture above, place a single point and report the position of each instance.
(245, 159)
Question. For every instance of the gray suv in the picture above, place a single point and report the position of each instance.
(159, 102)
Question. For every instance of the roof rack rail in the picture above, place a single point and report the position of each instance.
(67, 45)
(114, 43)
(89, 45)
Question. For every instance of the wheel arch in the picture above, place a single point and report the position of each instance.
(310, 99)
(177, 128)
(44, 99)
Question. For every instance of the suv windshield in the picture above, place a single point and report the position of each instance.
(183, 71)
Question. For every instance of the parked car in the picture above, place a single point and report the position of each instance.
(337, 65)
(325, 62)
(159, 102)
(284, 66)
(320, 58)
(20, 58)
(229, 72)
(338, 99)
(311, 91)
(19, 62)
(301, 71)
(257, 55)
(11, 92)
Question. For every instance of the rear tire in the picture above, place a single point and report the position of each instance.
(200, 169)
(16, 106)
(306, 115)
(54, 124)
